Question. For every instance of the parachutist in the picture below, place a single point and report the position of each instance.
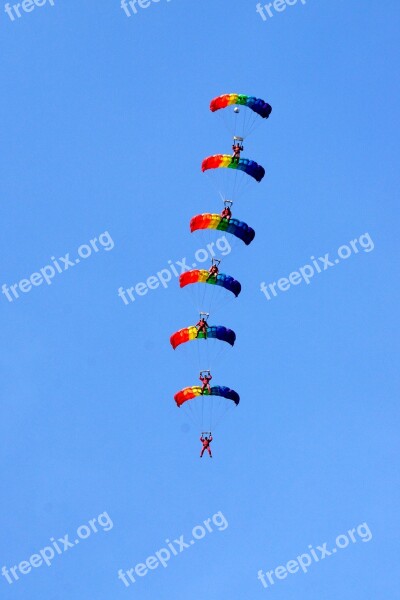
(202, 325)
(227, 213)
(236, 109)
(205, 378)
(213, 270)
(237, 149)
(206, 441)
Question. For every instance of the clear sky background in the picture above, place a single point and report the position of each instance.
(105, 122)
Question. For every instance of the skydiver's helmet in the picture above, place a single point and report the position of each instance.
(236, 109)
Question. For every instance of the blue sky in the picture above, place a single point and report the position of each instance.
(105, 123)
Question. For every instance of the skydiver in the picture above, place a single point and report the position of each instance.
(202, 325)
(205, 378)
(227, 213)
(206, 441)
(213, 270)
(237, 149)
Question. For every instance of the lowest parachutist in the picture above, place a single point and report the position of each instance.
(206, 441)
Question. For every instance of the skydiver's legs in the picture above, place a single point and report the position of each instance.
(202, 452)
(209, 451)
(203, 330)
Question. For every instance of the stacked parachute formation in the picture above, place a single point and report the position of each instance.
(242, 113)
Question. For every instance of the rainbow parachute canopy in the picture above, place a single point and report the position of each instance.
(213, 332)
(213, 221)
(218, 390)
(203, 276)
(218, 161)
(256, 104)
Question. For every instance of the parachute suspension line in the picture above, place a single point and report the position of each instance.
(202, 412)
(213, 296)
(252, 125)
(236, 178)
(199, 352)
(191, 413)
(225, 410)
(244, 129)
(203, 299)
(251, 122)
(228, 120)
(208, 235)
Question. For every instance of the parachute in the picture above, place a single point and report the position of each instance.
(231, 179)
(247, 114)
(202, 276)
(214, 332)
(213, 221)
(193, 392)
(250, 167)
(256, 104)
(206, 409)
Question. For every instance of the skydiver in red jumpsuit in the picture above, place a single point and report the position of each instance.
(237, 149)
(226, 213)
(202, 326)
(205, 378)
(213, 270)
(206, 441)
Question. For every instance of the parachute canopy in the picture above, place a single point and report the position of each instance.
(250, 167)
(193, 392)
(202, 276)
(213, 332)
(256, 104)
(213, 221)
